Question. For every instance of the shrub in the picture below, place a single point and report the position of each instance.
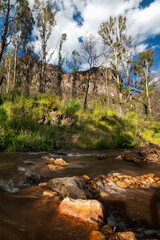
(123, 141)
(28, 141)
(3, 116)
(5, 138)
(72, 108)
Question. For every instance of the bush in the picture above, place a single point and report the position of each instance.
(6, 137)
(28, 141)
(3, 116)
(72, 108)
(123, 141)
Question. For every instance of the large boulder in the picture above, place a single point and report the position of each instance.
(67, 187)
(90, 211)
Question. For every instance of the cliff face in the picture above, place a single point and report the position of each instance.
(74, 84)
(100, 84)
(28, 80)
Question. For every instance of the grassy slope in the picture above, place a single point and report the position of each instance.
(97, 128)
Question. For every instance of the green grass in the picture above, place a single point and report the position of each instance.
(22, 128)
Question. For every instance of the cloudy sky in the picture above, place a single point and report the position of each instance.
(80, 18)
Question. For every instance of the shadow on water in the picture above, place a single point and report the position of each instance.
(155, 208)
(118, 213)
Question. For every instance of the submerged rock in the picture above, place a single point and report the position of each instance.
(67, 187)
(55, 167)
(34, 178)
(85, 210)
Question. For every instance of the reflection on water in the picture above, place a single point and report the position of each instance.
(26, 215)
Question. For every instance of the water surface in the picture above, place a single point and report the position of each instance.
(25, 216)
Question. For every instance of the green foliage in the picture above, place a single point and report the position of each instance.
(123, 140)
(3, 116)
(5, 138)
(22, 127)
(72, 108)
(29, 141)
(142, 69)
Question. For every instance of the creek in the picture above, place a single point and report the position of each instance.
(26, 216)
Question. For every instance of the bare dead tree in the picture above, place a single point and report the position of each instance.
(89, 56)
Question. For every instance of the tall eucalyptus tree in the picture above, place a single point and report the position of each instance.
(45, 22)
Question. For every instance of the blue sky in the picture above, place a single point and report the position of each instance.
(80, 18)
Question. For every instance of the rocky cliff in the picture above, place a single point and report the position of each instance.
(28, 80)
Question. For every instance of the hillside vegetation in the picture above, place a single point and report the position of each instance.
(27, 124)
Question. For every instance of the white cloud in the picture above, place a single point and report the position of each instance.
(142, 22)
(145, 22)
(141, 47)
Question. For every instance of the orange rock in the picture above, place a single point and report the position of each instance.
(87, 178)
(104, 194)
(126, 235)
(145, 176)
(57, 199)
(109, 184)
(151, 179)
(115, 179)
(119, 157)
(49, 193)
(103, 176)
(135, 179)
(121, 184)
(127, 176)
(115, 174)
(156, 179)
(55, 167)
(60, 161)
(85, 210)
(43, 184)
(96, 235)
(128, 181)
(141, 178)
(49, 159)
(156, 184)
(151, 175)
(142, 186)
(104, 181)
(120, 176)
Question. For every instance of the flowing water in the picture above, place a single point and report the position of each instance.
(26, 215)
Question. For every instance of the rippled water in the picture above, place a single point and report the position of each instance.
(26, 215)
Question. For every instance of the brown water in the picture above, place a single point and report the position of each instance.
(25, 216)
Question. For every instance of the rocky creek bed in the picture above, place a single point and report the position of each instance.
(89, 195)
